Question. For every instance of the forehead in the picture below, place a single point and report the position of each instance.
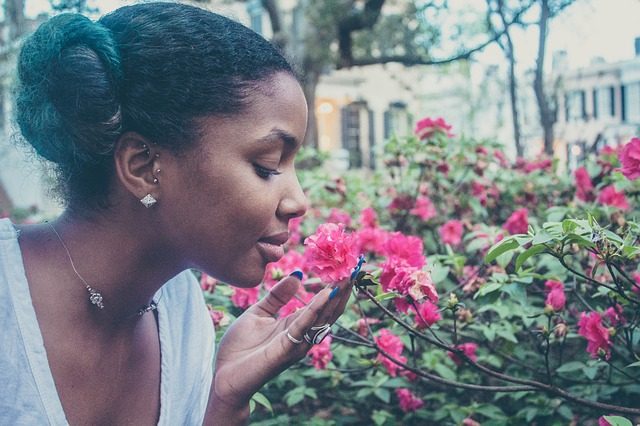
(276, 108)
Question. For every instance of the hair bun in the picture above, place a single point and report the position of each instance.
(67, 100)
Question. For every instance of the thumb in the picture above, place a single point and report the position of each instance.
(278, 296)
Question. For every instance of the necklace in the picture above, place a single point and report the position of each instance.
(95, 297)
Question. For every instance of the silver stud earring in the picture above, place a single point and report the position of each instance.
(155, 180)
(148, 200)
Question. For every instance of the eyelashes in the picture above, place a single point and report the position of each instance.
(265, 172)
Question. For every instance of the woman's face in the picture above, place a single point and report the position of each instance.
(236, 192)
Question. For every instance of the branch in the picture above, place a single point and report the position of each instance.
(353, 22)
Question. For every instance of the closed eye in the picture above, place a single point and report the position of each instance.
(265, 172)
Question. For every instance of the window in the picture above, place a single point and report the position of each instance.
(603, 102)
(632, 102)
(576, 108)
(396, 120)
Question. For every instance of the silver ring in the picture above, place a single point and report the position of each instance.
(293, 339)
(321, 331)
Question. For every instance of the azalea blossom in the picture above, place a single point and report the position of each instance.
(469, 349)
(424, 208)
(408, 401)
(245, 297)
(518, 222)
(371, 240)
(208, 283)
(368, 218)
(610, 197)
(321, 354)
(275, 271)
(294, 231)
(502, 159)
(615, 315)
(598, 339)
(427, 127)
(635, 287)
(393, 346)
(630, 159)
(339, 216)
(427, 314)
(406, 247)
(451, 232)
(331, 252)
(584, 186)
(556, 298)
(300, 301)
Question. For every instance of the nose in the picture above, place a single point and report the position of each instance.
(293, 202)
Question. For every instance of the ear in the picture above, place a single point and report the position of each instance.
(137, 163)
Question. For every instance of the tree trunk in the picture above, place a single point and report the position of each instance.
(513, 82)
(14, 16)
(547, 116)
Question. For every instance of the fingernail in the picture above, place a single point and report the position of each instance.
(297, 273)
(334, 292)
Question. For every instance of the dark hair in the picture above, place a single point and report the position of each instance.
(150, 68)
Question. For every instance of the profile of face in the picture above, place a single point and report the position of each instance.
(229, 200)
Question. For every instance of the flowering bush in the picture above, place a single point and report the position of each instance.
(492, 293)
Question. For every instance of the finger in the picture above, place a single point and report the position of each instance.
(277, 297)
(306, 319)
(341, 303)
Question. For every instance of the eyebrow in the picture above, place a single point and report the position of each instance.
(289, 140)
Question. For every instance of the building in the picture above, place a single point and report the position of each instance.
(598, 105)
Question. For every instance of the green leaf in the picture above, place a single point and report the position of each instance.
(618, 421)
(500, 248)
(262, 400)
(294, 396)
(635, 364)
(383, 394)
(571, 366)
(444, 371)
(542, 237)
(531, 251)
(386, 296)
(565, 412)
(487, 288)
(363, 393)
(439, 273)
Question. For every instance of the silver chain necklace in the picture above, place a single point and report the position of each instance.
(95, 297)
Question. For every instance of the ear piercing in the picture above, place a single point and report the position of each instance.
(148, 200)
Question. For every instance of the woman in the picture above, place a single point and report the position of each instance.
(173, 132)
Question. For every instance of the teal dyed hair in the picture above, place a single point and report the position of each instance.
(152, 68)
(67, 104)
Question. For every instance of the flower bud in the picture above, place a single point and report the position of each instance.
(453, 301)
(612, 331)
(560, 330)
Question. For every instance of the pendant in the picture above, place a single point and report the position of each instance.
(95, 298)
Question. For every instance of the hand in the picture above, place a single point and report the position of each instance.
(256, 348)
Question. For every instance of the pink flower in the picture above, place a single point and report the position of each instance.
(469, 349)
(555, 295)
(603, 422)
(390, 268)
(610, 197)
(408, 401)
(427, 315)
(635, 287)
(339, 216)
(295, 303)
(245, 297)
(584, 186)
(411, 281)
(615, 315)
(217, 317)
(405, 247)
(470, 422)
(591, 328)
(294, 231)
(288, 263)
(321, 354)
(518, 222)
(369, 218)
(424, 208)
(371, 240)
(208, 283)
(630, 159)
(363, 325)
(451, 232)
(427, 127)
(502, 159)
(393, 346)
(331, 252)
(400, 203)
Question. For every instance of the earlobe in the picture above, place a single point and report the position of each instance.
(137, 164)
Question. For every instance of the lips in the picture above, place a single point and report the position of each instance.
(271, 247)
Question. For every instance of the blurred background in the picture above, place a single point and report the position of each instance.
(544, 77)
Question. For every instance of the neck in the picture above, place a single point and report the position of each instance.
(119, 259)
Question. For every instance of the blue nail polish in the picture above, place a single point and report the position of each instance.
(358, 266)
(334, 292)
(297, 273)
